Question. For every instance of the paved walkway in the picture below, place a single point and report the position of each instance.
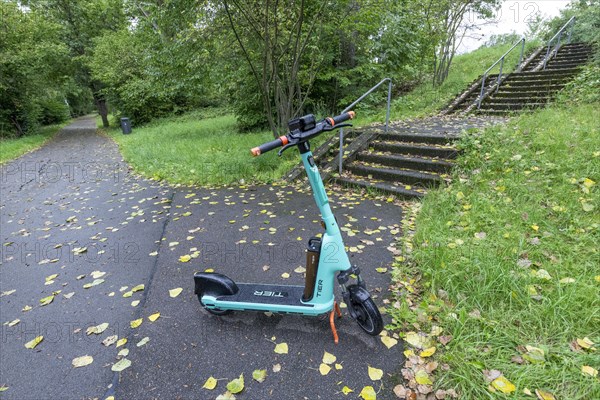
(74, 209)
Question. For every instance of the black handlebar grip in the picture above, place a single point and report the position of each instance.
(273, 144)
(343, 117)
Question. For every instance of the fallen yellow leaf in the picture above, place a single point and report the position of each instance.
(154, 317)
(585, 343)
(427, 352)
(137, 288)
(82, 361)
(281, 348)
(175, 292)
(121, 365)
(236, 385)
(422, 377)
(388, 341)
(32, 343)
(135, 323)
(368, 393)
(121, 342)
(210, 383)
(328, 358)
(543, 395)
(504, 385)
(185, 258)
(346, 390)
(324, 369)
(586, 369)
(375, 373)
(259, 375)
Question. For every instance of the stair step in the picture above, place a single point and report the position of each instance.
(418, 137)
(534, 83)
(561, 73)
(516, 100)
(556, 66)
(401, 161)
(386, 187)
(410, 177)
(510, 106)
(415, 149)
(502, 93)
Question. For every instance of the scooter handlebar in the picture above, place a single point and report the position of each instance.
(273, 144)
(343, 117)
(321, 126)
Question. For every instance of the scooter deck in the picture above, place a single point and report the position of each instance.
(267, 294)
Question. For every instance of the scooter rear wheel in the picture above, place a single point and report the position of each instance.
(368, 316)
(214, 311)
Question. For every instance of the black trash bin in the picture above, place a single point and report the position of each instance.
(125, 126)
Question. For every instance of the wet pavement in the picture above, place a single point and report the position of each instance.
(74, 209)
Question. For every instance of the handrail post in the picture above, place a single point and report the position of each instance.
(387, 116)
(500, 74)
(546, 57)
(481, 92)
(341, 152)
(522, 51)
(389, 102)
(571, 30)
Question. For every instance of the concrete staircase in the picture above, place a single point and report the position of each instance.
(410, 158)
(530, 88)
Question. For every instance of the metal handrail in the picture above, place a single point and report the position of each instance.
(550, 54)
(387, 115)
(501, 61)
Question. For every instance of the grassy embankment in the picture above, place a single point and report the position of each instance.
(11, 148)
(206, 148)
(509, 259)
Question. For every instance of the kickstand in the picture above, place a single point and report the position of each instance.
(336, 310)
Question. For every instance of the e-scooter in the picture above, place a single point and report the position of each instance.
(325, 256)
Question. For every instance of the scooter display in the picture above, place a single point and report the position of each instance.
(326, 258)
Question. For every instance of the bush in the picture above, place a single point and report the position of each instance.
(53, 111)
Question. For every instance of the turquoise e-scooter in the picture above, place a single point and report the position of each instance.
(326, 256)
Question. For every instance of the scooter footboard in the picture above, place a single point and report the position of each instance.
(213, 284)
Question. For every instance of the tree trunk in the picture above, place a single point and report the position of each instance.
(102, 109)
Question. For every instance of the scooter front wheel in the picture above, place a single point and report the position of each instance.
(214, 311)
(368, 316)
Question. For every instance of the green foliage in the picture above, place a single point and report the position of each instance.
(523, 199)
(157, 68)
(585, 88)
(31, 77)
(54, 110)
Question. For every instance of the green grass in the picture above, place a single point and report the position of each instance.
(201, 148)
(12, 148)
(525, 198)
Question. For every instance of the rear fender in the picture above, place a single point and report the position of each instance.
(213, 284)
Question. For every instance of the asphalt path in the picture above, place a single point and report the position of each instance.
(74, 209)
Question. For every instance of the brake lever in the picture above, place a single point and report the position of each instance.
(284, 148)
(331, 128)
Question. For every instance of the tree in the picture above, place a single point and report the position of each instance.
(31, 77)
(280, 43)
(446, 21)
(82, 21)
